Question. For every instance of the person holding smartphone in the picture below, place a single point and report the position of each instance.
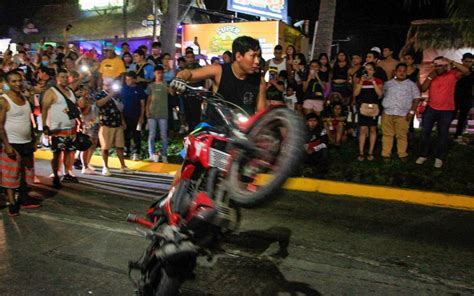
(313, 89)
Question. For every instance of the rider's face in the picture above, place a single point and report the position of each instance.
(249, 62)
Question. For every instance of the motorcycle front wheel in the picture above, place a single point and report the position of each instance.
(279, 137)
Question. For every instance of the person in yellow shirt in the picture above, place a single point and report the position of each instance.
(112, 66)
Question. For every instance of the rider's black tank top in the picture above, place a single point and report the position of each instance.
(243, 93)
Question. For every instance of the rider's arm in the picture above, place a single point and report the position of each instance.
(262, 96)
(200, 74)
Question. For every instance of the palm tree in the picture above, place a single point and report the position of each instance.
(327, 14)
(461, 14)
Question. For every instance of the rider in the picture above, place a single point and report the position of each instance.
(239, 82)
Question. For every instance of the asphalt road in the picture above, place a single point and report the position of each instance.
(78, 243)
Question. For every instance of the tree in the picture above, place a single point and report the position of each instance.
(169, 21)
(327, 14)
(460, 12)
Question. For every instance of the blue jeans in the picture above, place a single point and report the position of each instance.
(152, 126)
(443, 121)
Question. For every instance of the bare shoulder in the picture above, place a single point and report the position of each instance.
(4, 106)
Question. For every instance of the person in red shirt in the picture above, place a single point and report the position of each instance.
(440, 84)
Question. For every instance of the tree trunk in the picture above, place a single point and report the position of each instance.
(327, 13)
(169, 21)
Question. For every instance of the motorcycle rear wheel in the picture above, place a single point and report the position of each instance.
(280, 135)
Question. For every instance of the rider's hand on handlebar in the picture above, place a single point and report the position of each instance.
(178, 84)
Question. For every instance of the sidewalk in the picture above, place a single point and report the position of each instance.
(464, 202)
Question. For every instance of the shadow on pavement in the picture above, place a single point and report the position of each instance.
(252, 268)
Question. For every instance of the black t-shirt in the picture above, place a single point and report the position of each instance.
(274, 94)
(340, 73)
(414, 76)
(464, 87)
(243, 93)
(314, 91)
(109, 114)
(154, 61)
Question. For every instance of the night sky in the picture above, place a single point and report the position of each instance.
(368, 23)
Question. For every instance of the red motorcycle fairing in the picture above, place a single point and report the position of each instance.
(198, 147)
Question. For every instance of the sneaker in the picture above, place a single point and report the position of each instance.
(14, 209)
(70, 179)
(421, 160)
(126, 170)
(135, 157)
(56, 182)
(164, 159)
(87, 171)
(106, 172)
(52, 175)
(438, 163)
(77, 164)
(29, 203)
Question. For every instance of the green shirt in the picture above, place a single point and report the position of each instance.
(158, 100)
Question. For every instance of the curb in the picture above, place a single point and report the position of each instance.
(445, 200)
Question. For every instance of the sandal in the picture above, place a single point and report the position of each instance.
(361, 157)
(370, 157)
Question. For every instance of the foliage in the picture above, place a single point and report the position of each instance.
(455, 176)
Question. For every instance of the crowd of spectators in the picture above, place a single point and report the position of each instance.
(121, 95)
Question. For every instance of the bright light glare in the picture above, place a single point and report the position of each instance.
(242, 118)
(96, 4)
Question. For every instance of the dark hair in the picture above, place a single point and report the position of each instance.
(22, 51)
(126, 54)
(438, 58)
(227, 53)
(370, 64)
(294, 50)
(189, 52)
(283, 73)
(131, 74)
(302, 58)
(291, 85)
(60, 47)
(61, 71)
(467, 55)
(311, 115)
(165, 54)
(213, 59)
(243, 44)
(143, 48)
(156, 44)
(48, 45)
(11, 73)
(45, 54)
(323, 54)
(139, 52)
(315, 61)
(159, 68)
(400, 65)
(189, 49)
(375, 53)
(409, 53)
(181, 59)
(278, 47)
(123, 44)
(74, 74)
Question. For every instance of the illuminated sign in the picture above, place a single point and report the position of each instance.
(274, 9)
(99, 4)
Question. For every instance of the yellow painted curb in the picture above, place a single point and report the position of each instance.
(447, 200)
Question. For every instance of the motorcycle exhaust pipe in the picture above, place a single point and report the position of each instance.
(135, 219)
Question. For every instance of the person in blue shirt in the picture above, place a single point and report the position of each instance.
(133, 97)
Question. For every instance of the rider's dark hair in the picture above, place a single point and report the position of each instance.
(278, 47)
(243, 44)
(12, 73)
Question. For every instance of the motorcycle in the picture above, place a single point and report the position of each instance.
(238, 161)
